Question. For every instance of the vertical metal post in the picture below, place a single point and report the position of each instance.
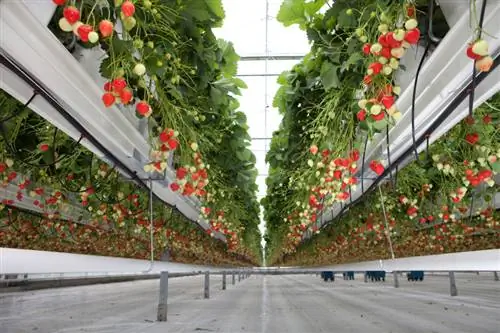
(495, 276)
(162, 304)
(223, 280)
(151, 222)
(207, 285)
(234, 279)
(239, 276)
(453, 286)
(396, 279)
(366, 278)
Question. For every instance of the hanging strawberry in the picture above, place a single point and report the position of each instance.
(108, 99)
(377, 167)
(71, 14)
(83, 32)
(128, 8)
(59, 2)
(143, 109)
(126, 96)
(106, 28)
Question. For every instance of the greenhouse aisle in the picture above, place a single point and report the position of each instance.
(260, 304)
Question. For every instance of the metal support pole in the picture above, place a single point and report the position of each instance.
(162, 304)
(453, 286)
(495, 276)
(239, 277)
(207, 285)
(396, 279)
(366, 278)
(234, 279)
(223, 280)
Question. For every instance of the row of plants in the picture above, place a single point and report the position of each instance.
(162, 62)
(339, 97)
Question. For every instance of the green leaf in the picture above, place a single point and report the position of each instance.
(230, 85)
(329, 76)
(292, 12)
(216, 8)
(198, 10)
(106, 68)
(241, 118)
(380, 125)
(244, 155)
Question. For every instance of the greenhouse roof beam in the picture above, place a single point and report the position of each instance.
(271, 57)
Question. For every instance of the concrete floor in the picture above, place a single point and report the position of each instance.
(270, 304)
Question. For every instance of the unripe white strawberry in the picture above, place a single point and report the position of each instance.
(75, 28)
(383, 60)
(93, 37)
(383, 28)
(376, 48)
(398, 52)
(394, 65)
(139, 69)
(194, 146)
(387, 70)
(399, 35)
(396, 90)
(363, 39)
(362, 105)
(375, 109)
(480, 47)
(64, 25)
(411, 24)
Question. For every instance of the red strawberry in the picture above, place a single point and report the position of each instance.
(59, 2)
(106, 28)
(3, 167)
(108, 99)
(410, 11)
(43, 147)
(388, 101)
(471, 54)
(376, 67)
(126, 95)
(378, 117)
(392, 41)
(143, 108)
(366, 48)
(361, 115)
(472, 138)
(72, 14)
(367, 80)
(128, 8)
(83, 32)
(181, 173)
(354, 155)
(377, 167)
(174, 187)
(412, 36)
(382, 40)
(172, 143)
(487, 119)
(164, 137)
(119, 84)
(108, 86)
(386, 53)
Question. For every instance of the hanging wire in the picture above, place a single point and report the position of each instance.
(363, 166)
(387, 141)
(388, 233)
(474, 72)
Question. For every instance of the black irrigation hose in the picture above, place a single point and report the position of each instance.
(16, 114)
(471, 96)
(414, 96)
(42, 91)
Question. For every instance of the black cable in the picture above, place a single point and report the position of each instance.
(414, 96)
(474, 72)
(17, 113)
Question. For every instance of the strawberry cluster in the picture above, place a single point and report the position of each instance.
(166, 143)
(70, 22)
(191, 179)
(478, 51)
(385, 54)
